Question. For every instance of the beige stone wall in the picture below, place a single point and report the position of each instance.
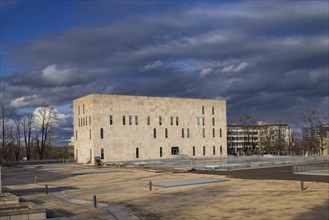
(120, 141)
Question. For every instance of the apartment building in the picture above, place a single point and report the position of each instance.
(261, 138)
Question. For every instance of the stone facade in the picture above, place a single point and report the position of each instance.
(123, 128)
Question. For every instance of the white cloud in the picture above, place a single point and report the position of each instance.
(206, 71)
(241, 67)
(23, 101)
(155, 65)
(48, 114)
(234, 69)
(228, 69)
(58, 76)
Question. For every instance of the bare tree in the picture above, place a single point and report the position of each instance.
(249, 134)
(313, 123)
(18, 136)
(4, 134)
(45, 118)
(265, 137)
(27, 133)
(11, 143)
(309, 117)
(322, 121)
(231, 144)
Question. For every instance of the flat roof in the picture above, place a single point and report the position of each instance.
(165, 97)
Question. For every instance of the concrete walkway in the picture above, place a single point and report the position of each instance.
(117, 211)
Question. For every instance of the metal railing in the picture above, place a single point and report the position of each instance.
(316, 167)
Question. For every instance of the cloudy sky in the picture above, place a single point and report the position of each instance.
(266, 58)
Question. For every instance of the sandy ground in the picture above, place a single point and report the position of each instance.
(236, 198)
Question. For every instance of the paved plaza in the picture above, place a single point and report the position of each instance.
(242, 194)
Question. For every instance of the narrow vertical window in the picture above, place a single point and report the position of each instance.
(220, 132)
(221, 150)
(76, 135)
(171, 120)
(188, 133)
(148, 120)
(130, 120)
(182, 132)
(198, 119)
(203, 121)
(111, 119)
(160, 151)
(213, 121)
(166, 133)
(102, 154)
(160, 120)
(193, 151)
(89, 120)
(102, 133)
(83, 109)
(86, 120)
(89, 133)
(136, 120)
(203, 132)
(204, 150)
(213, 132)
(213, 110)
(154, 133)
(124, 120)
(213, 150)
(79, 121)
(83, 121)
(137, 152)
(78, 110)
(177, 121)
(203, 110)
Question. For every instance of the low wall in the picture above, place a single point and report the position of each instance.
(8, 198)
(33, 162)
(21, 211)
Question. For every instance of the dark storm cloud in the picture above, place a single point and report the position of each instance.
(265, 58)
(50, 76)
(221, 31)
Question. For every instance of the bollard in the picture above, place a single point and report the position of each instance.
(46, 189)
(150, 185)
(302, 185)
(36, 180)
(94, 201)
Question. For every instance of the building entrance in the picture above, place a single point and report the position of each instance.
(174, 150)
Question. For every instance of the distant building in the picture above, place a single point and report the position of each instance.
(123, 128)
(257, 139)
(316, 133)
(326, 145)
